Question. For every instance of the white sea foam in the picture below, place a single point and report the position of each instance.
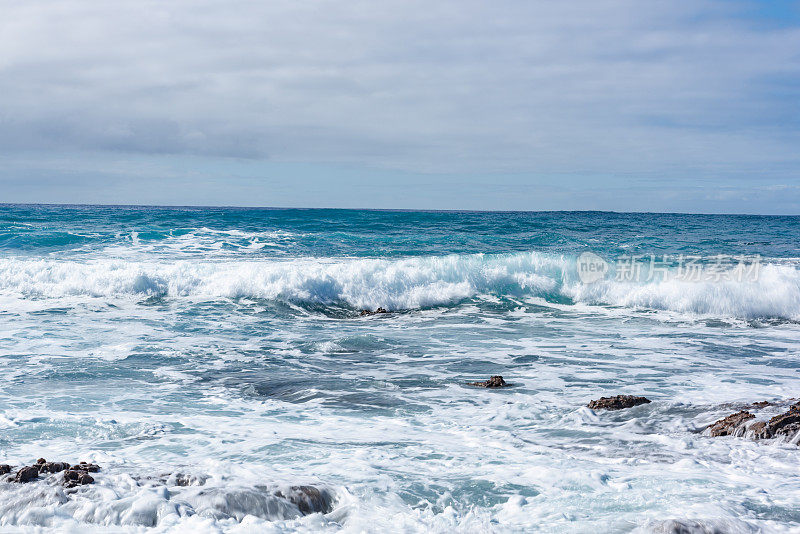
(398, 284)
(453, 459)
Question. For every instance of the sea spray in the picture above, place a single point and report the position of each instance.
(400, 284)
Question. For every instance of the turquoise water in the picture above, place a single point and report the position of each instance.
(228, 344)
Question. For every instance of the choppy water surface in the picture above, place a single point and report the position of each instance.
(226, 344)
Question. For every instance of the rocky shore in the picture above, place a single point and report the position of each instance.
(746, 424)
(71, 475)
(785, 426)
(70, 484)
(71, 488)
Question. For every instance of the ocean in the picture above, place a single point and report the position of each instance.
(216, 364)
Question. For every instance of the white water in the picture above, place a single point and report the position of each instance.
(440, 457)
(401, 284)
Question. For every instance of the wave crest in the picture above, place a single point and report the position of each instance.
(399, 284)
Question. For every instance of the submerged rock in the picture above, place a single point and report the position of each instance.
(267, 502)
(493, 382)
(689, 526)
(730, 425)
(370, 312)
(120, 503)
(308, 499)
(617, 402)
(183, 479)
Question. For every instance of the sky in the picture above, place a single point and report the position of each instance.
(624, 105)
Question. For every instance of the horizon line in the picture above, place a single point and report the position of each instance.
(402, 210)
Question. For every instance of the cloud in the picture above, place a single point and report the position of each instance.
(602, 86)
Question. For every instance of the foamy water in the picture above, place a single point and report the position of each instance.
(212, 360)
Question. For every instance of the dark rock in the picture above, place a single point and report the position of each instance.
(41, 461)
(183, 479)
(52, 467)
(731, 425)
(85, 466)
(308, 499)
(369, 312)
(26, 474)
(493, 382)
(617, 402)
(783, 425)
(5, 469)
(76, 477)
(688, 526)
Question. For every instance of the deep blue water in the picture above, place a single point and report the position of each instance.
(361, 233)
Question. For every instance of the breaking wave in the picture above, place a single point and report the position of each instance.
(400, 284)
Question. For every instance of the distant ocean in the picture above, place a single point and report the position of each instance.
(216, 364)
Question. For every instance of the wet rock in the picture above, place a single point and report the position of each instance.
(76, 477)
(5, 469)
(617, 402)
(758, 429)
(493, 382)
(730, 425)
(26, 474)
(183, 479)
(784, 425)
(308, 499)
(52, 467)
(41, 461)
(688, 526)
(370, 312)
(85, 466)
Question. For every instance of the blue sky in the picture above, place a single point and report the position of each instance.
(606, 104)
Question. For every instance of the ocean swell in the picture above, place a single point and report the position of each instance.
(399, 284)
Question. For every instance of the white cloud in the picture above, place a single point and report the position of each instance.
(614, 86)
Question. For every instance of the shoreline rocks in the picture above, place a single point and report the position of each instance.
(370, 312)
(26, 474)
(493, 382)
(617, 402)
(730, 425)
(785, 425)
(73, 475)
